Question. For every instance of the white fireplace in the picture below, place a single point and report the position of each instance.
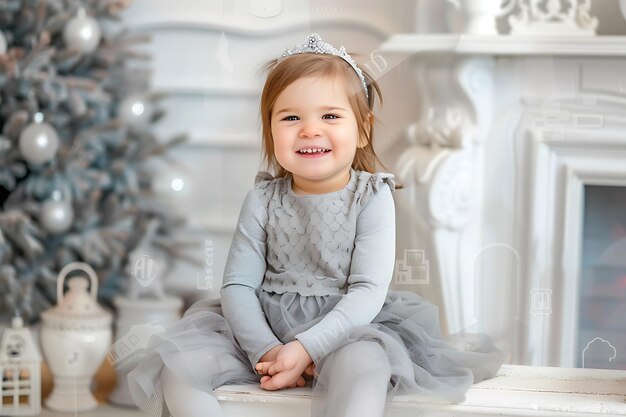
(516, 165)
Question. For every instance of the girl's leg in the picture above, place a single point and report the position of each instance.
(357, 380)
(184, 400)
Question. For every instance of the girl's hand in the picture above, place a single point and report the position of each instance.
(287, 369)
(310, 370)
(270, 357)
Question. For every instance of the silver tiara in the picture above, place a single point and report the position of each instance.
(314, 44)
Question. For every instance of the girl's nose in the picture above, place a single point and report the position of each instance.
(310, 130)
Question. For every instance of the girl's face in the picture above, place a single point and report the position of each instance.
(314, 113)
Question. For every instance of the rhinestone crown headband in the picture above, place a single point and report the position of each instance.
(314, 44)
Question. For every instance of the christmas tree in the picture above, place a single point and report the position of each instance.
(76, 142)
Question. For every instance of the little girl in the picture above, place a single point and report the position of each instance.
(305, 284)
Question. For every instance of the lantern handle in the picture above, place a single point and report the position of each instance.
(74, 266)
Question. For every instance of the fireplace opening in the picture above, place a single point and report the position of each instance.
(602, 302)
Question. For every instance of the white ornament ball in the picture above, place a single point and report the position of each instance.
(38, 143)
(83, 33)
(56, 216)
(3, 43)
(135, 110)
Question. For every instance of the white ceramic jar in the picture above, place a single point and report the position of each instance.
(75, 337)
(479, 16)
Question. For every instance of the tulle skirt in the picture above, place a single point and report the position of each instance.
(400, 352)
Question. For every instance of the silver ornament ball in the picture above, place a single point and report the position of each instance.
(38, 143)
(135, 110)
(83, 33)
(56, 216)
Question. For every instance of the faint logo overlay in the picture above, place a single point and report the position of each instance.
(144, 270)
(223, 55)
(599, 346)
(553, 118)
(413, 269)
(376, 65)
(265, 8)
(541, 302)
(73, 346)
(214, 7)
(333, 6)
(205, 279)
(134, 340)
(336, 328)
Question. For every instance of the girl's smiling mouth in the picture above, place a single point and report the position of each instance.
(313, 152)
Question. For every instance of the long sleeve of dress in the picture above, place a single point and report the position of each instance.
(243, 275)
(371, 270)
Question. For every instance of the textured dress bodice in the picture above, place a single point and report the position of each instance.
(310, 238)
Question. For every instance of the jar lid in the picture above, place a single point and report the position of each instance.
(77, 306)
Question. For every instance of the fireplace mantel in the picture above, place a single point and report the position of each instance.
(493, 173)
(461, 44)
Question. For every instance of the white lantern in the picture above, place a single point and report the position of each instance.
(20, 367)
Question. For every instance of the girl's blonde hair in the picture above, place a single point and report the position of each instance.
(282, 74)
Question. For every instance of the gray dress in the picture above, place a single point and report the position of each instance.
(316, 268)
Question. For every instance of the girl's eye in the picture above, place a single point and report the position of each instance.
(334, 116)
(289, 118)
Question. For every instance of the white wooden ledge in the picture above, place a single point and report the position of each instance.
(515, 391)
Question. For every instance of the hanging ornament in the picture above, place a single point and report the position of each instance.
(82, 32)
(56, 214)
(135, 110)
(3, 43)
(38, 141)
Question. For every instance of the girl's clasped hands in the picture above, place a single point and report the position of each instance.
(284, 366)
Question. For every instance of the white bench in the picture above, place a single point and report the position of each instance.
(515, 391)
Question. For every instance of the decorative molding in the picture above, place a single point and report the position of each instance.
(558, 18)
(258, 27)
(560, 170)
(562, 132)
(205, 87)
(573, 137)
(507, 45)
(444, 173)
